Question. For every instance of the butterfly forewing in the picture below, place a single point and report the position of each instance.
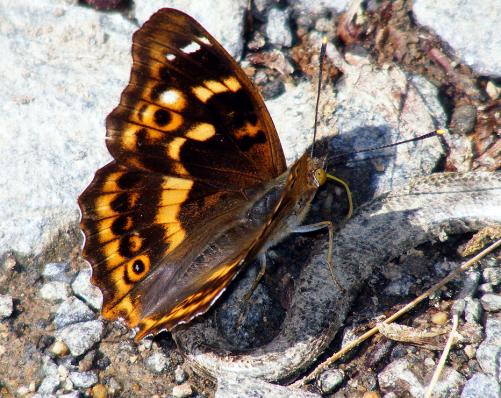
(189, 136)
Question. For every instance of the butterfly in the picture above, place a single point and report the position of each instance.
(198, 186)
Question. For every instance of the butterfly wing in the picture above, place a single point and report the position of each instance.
(190, 134)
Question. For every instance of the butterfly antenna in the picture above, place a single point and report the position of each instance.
(376, 148)
(319, 86)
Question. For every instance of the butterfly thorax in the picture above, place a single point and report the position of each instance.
(286, 200)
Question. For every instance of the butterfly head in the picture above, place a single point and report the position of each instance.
(320, 176)
(316, 171)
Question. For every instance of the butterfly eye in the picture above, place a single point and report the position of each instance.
(320, 176)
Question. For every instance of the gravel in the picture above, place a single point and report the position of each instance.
(81, 337)
(6, 306)
(55, 291)
(72, 311)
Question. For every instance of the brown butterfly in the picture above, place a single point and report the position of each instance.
(198, 186)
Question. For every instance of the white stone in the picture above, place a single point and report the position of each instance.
(81, 337)
(55, 291)
(470, 28)
(278, 28)
(62, 73)
(84, 289)
(6, 306)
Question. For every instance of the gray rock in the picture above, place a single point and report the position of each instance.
(182, 391)
(72, 311)
(486, 288)
(288, 113)
(481, 385)
(308, 7)
(463, 119)
(72, 394)
(492, 275)
(231, 386)
(491, 302)
(55, 291)
(223, 19)
(49, 367)
(49, 385)
(400, 378)
(57, 272)
(489, 351)
(84, 289)
(470, 284)
(6, 306)
(179, 375)
(278, 28)
(157, 362)
(83, 379)
(473, 310)
(328, 381)
(114, 386)
(81, 337)
(367, 114)
(471, 28)
(75, 74)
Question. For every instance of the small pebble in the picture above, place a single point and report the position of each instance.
(10, 262)
(463, 119)
(429, 362)
(55, 290)
(179, 375)
(470, 351)
(49, 385)
(49, 367)
(473, 310)
(371, 394)
(83, 379)
(182, 391)
(489, 351)
(491, 302)
(6, 306)
(440, 318)
(56, 272)
(492, 275)
(278, 28)
(62, 372)
(99, 391)
(68, 385)
(114, 386)
(87, 291)
(87, 361)
(71, 311)
(81, 337)
(493, 90)
(329, 380)
(156, 362)
(59, 349)
(72, 394)
(486, 288)
(481, 385)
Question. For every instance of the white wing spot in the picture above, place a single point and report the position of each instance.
(170, 57)
(193, 47)
(169, 97)
(204, 40)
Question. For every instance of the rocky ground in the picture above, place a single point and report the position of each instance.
(394, 70)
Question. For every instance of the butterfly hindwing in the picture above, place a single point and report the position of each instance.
(189, 136)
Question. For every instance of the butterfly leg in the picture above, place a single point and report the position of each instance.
(248, 295)
(262, 271)
(316, 227)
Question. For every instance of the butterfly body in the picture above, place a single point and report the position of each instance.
(198, 187)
